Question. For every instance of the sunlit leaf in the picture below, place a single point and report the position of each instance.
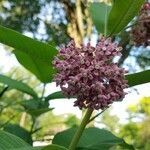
(122, 12)
(99, 13)
(32, 54)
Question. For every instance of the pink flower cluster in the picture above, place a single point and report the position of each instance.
(140, 33)
(88, 74)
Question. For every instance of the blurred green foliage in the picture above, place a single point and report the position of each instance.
(27, 16)
(136, 130)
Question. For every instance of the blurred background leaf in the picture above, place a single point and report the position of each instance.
(17, 85)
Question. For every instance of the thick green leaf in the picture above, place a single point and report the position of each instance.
(92, 139)
(17, 85)
(56, 95)
(123, 11)
(11, 142)
(33, 55)
(36, 107)
(19, 131)
(26, 148)
(138, 78)
(40, 68)
(133, 79)
(54, 147)
(99, 13)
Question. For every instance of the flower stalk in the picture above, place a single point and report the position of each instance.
(80, 130)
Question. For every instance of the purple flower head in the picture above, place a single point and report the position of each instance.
(140, 33)
(88, 74)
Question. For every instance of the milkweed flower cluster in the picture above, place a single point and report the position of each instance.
(140, 33)
(88, 74)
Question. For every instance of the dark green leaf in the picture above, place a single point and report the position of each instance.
(99, 13)
(123, 11)
(64, 138)
(138, 78)
(19, 131)
(56, 95)
(26, 148)
(39, 112)
(17, 85)
(92, 139)
(36, 107)
(34, 55)
(11, 142)
(32, 104)
(54, 147)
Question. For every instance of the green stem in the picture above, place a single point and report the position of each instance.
(33, 123)
(43, 90)
(80, 130)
